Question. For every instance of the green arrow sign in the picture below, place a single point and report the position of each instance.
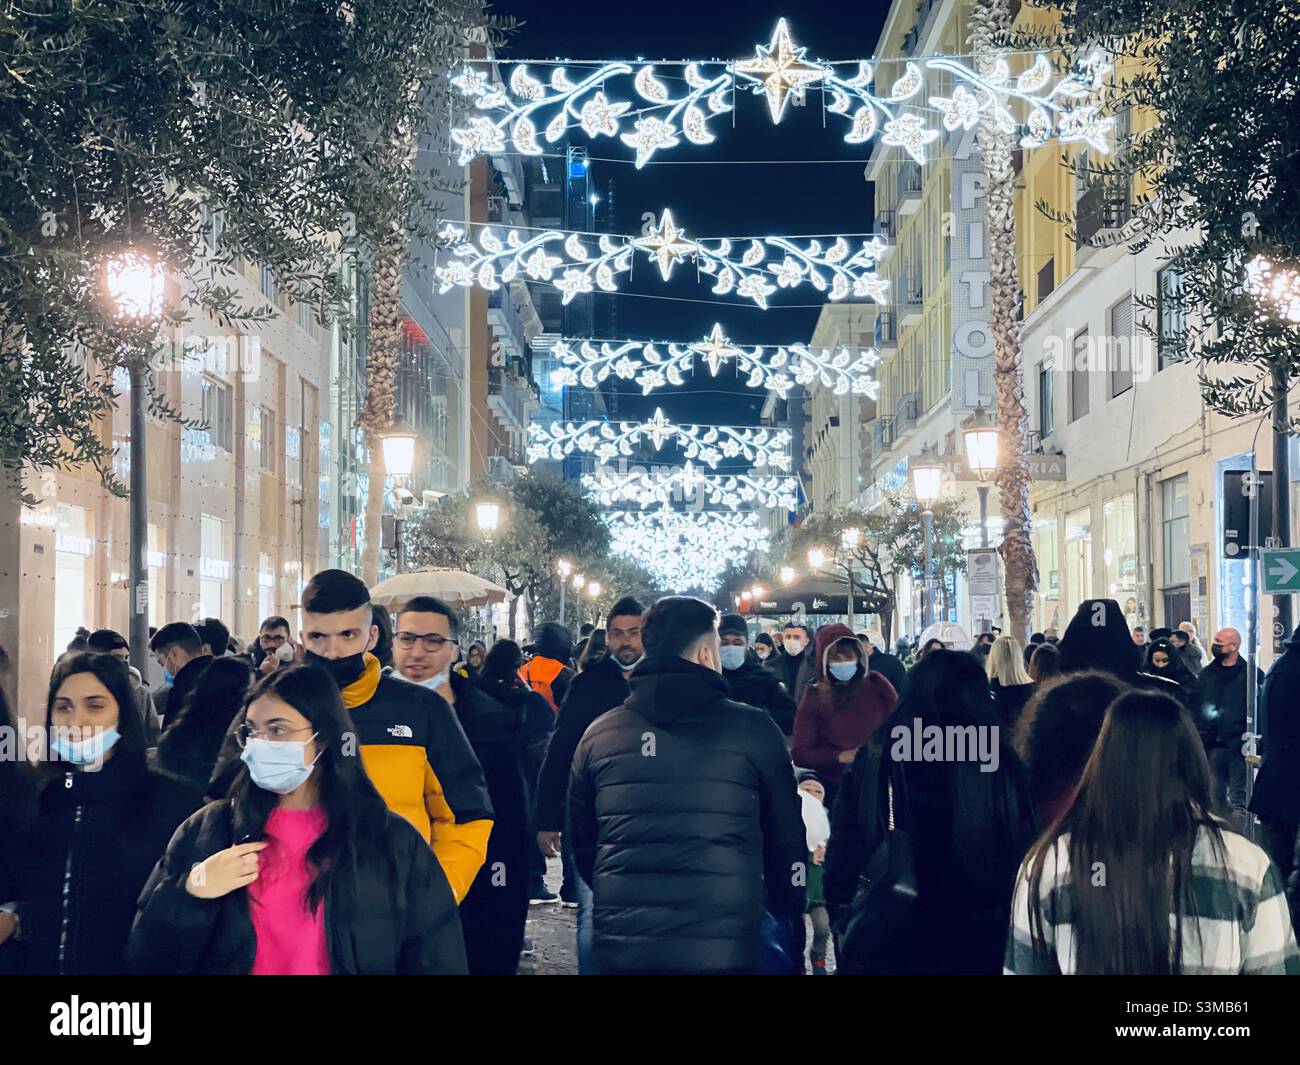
(1281, 570)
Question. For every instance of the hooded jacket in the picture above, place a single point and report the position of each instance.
(1098, 637)
(833, 717)
(405, 915)
(683, 814)
(416, 753)
(755, 684)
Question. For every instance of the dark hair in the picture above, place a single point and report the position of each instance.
(214, 633)
(766, 639)
(1037, 637)
(597, 645)
(177, 634)
(113, 674)
(1177, 670)
(103, 641)
(1183, 638)
(1098, 638)
(1044, 661)
(675, 624)
(1058, 728)
(586, 629)
(627, 607)
(356, 816)
(77, 643)
(274, 622)
(1144, 798)
(383, 649)
(192, 743)
(807, 632)
(501, 664)
(429, 604)
(333, 591)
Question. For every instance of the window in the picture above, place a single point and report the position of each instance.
(1078, 557)
(218, 412)
(1121, 346)
(1079, 377)
(73, 572)
(293, 456)
(269, 288)
(1119, 554)
(1177, 547)
(1046, 399)
(157, 564)
(268, 439)
(1170, 320)
(214, 567)
(1046, 280)
(1048, 595)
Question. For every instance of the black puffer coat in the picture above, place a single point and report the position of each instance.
(97, 835)
(753, 683)
(405, 923)
(684, 814)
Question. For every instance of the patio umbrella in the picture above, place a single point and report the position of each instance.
(953, 636)
(455, 587)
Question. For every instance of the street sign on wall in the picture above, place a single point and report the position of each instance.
(1041, 467)
(1281, 568)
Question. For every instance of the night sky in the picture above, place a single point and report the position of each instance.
(712, 190)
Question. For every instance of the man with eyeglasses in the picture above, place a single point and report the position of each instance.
(495, 910)
(265, 653)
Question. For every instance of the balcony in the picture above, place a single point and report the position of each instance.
(512, 398)
(886, 330)
(507, 324)
(887, 225)
(906, 411)
(909, 187)
(882, 435)
(910, 297)
(1102, 211)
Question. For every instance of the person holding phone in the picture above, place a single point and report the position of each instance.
(301, 869)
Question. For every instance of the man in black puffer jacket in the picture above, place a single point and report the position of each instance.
(750, 681)
(684, 814)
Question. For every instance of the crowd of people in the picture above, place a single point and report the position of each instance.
(373, 795)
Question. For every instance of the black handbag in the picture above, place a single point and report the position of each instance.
(886, 895)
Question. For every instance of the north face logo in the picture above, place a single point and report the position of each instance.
(401, 731)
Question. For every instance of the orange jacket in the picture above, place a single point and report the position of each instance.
(539, 674)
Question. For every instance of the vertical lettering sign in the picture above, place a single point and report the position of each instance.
(972, 339)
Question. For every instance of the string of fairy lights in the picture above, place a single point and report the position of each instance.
(687, 523)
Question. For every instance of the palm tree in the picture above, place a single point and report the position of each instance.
(991, 22)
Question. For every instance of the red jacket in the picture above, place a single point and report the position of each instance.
(834, 718)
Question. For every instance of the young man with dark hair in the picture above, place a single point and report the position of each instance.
(272, 634)
(796, 666)
(495, 908)
(414, 749)
(750, 681)
(600, 687)
(178, 649)
(215, 636)
(108, 642)
(681, 770)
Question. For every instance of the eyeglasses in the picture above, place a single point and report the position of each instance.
(431, 641)
(247, 732)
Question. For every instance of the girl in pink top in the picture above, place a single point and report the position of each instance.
(290, 937)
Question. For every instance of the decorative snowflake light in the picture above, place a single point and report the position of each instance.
(778, 71)
(579, 263)
(776, 368)
(684, 551)
(685, 484)
(709, 444)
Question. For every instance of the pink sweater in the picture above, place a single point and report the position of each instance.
(290, 940)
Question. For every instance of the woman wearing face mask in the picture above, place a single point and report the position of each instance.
(840, 708)
(301, 869)
(103, 819)
(764, 648)
(1163, 660)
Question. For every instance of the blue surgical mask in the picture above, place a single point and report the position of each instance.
(168, 676)
(843, 671)
(280, 766)
(732, 657)
(88, 750)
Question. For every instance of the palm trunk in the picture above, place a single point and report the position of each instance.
(989, 18)
(383, 351)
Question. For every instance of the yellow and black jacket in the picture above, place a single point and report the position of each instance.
(418, 757)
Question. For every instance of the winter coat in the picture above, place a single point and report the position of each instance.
(755, 684)
(494, 911)
(1010, 699)
(1223, 702)
(893, 670)
(174, 695)
(833, 717)
(597, 688)
(683, 814)
(1277, 787)
(966, 857)
(795, 671)
(97, 835)
(192, 744)
(405, 914)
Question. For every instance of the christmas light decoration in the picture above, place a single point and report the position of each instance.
(709, 444)
(778, 72)
(685, 484)
(683, 551)
(835, 268)
(777, 368)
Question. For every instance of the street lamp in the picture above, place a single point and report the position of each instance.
(488, 516)
(787, 574)
(593, 591)
(565, 569)
(133, 287)
(980, 435)
(927, 477)
(850, 538)
(816, 558)
(578, 581)
(398, 443)
(758, 591)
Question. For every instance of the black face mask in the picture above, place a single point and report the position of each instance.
(346, 670)
(1218, 651)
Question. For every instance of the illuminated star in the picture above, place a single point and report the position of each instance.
(659, 429)
(716, 349)
(666, 244)
(782, 70)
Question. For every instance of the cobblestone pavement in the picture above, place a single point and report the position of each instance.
(553, 931)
